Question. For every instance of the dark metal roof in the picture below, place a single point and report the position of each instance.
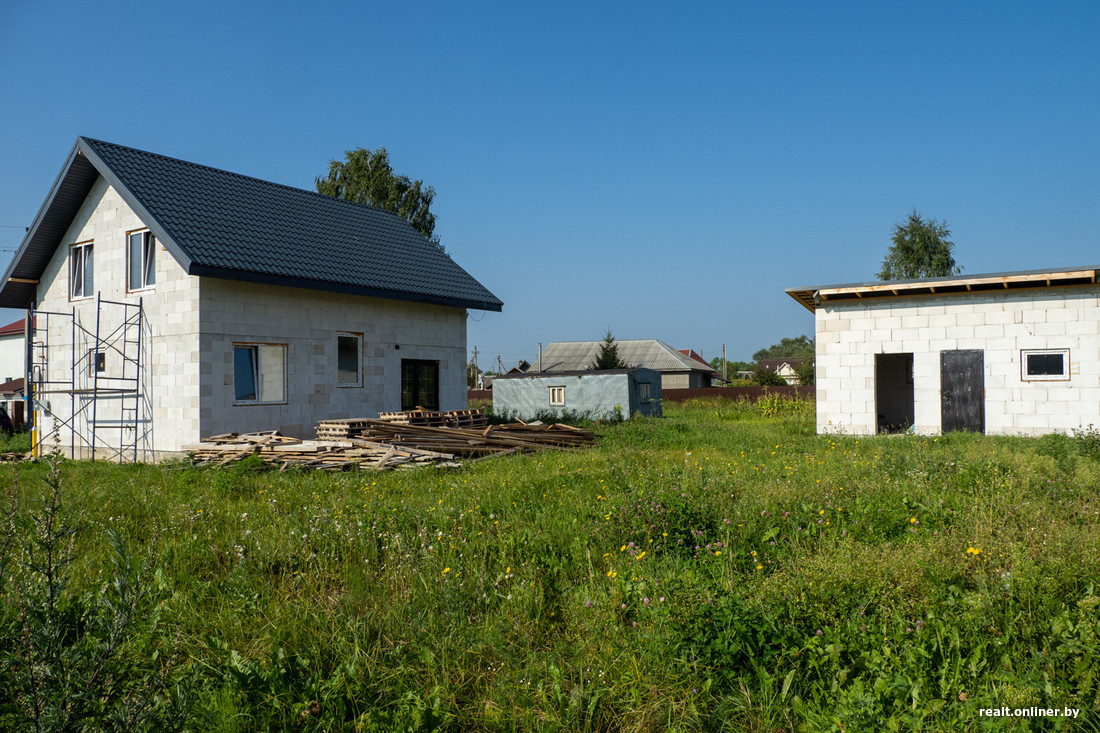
(225, 225)
(813, 297)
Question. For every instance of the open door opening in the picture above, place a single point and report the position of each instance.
(894, 392)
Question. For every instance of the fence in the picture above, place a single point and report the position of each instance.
(752, 393)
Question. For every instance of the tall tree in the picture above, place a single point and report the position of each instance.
(801, 346)
(608, 355)
(921, 248)
(366, 177)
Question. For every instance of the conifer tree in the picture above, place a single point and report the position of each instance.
(608, 355)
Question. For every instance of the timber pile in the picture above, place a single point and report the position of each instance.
(343, 429)
(490, 440)
(434, 419)
(14, 457)
(332, 455)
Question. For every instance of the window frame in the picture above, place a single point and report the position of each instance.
(148, 250)
(1026, 353)
(560, 390)
(84, 248)
(358, 359)
(257, 377)
(644, 391)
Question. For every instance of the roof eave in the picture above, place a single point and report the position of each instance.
(333, 287)
(147, 218)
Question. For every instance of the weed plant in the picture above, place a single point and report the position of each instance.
(722, 568)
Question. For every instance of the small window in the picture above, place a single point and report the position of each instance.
(81, 284)
(259, 373)
(142, 256)
(643, 391)
(97, 360)
(557, 396)
(348, 349)
(1044, 365)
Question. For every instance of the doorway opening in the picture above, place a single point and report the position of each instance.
(894, 392)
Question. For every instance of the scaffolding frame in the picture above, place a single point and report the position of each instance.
(87, 382)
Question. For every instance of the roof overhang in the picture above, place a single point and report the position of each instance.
(815, 297)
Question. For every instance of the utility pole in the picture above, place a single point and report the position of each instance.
(500, 365)
(724, 375)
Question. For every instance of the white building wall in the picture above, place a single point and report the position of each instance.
(308, 323)
(168, 413)
(1000, 324)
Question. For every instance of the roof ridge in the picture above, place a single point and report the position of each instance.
(236, 175)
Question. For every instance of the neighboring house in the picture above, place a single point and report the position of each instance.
(715, 375)
(13, 351)
(176, 301)
(11, 398)
(785, 366)
(1009, 353)
(677, 370)
(599, 395)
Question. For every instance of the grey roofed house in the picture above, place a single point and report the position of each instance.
(677, 370)
(235, 305)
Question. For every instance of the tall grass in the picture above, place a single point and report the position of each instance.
(722, 568)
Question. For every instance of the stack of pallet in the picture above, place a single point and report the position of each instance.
(271, 447)
(490, 440)
(435, 419)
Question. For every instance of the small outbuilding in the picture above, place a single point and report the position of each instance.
(599, 395)
(1005, 353)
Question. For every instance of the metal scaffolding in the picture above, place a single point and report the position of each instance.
(103, 379)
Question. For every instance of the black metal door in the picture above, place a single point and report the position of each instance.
(962, 390)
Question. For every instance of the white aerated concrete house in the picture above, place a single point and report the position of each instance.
(173, 301)
(1008, 353)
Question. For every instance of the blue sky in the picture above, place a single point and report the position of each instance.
(665, 170)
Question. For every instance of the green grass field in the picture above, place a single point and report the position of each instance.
(722, 568)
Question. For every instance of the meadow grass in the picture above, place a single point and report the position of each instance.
(721, 568)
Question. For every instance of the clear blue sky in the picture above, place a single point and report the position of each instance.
(663, 169)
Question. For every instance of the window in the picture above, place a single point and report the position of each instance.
(80, 271)
(419, 384)
(348, 348)
(557, 396)
(141, 253)
(259, 373)
(643, 391)
(1044, 365)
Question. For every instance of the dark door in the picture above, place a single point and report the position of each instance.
(419, 384)
(962, 390)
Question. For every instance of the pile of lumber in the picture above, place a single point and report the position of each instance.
(342, 429)
(332, 455)
(385, 443)
(435, 419)
(489, 440)
(14, 457)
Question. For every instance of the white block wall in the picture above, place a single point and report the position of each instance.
(1000, 324)
(308, 323)
(169, 415)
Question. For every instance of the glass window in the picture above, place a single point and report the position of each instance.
(81, 284)
(348, 349)
(1044, 365)
(142, 255)
(259, 373)
(557, 395)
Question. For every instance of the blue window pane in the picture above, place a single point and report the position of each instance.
(244, 373)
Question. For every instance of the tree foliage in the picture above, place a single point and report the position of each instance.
(366, 177)
(767, 378)
(921, 248)
(608, 355)
(801, 346)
